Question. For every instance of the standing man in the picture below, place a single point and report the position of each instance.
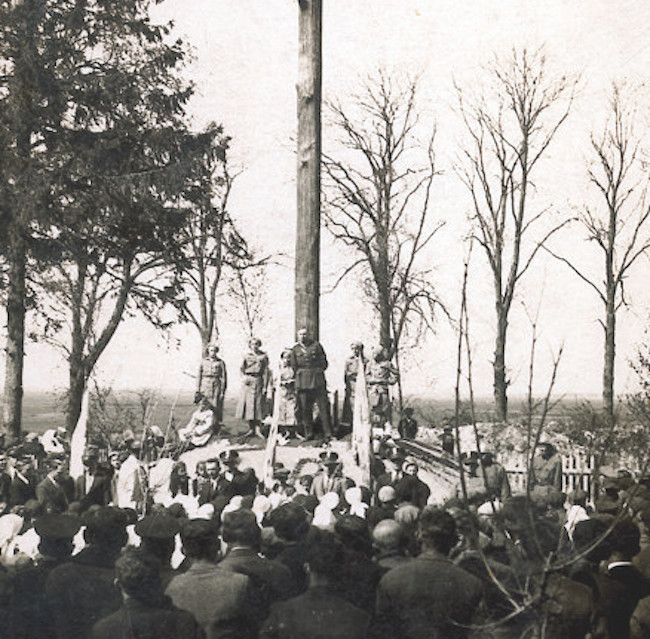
(381, 375)
(428, 596)
(213, 380)
(546, 475)
(350, 378)
(309, 362)
(408, 425)
(52, 493)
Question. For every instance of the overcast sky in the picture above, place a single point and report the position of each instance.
(244, 67)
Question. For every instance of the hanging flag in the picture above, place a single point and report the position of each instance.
(78, 440)
(272, 440)
(361, 427)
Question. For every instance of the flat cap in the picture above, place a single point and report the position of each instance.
(105, 518)
(199, 529)
(158, 527)
(57, 526)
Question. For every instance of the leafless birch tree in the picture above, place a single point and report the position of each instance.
(619, 226)
(377, 189)
(510, 124)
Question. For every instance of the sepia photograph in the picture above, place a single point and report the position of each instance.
(325, 319)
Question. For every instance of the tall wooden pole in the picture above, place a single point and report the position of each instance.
(307, 273)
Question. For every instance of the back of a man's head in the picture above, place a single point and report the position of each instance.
(105, 526)
(437, 530)
(625, 538)
(239, 527)
(325, 555)
(289, 522)
(200, 539)
(138, 574)
(388, 535)
(353, 533)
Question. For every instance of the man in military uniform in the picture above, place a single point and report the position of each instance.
(350, 378)
(381, 375)
(546, 475)
(309, 362)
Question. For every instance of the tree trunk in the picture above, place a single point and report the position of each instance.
(499, 365)
(15, 349)
(307, 269)
(609, 360)
(76, 388)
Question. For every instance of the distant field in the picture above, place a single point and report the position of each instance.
(45, 410)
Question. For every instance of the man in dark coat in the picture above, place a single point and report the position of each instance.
(218, 599)
(270, 580)
(94, 486)
(146, 612)
(23, 483)
(319, 613)
(292, 529)
(408, 425)
(208, 490)
(158, 534)
(359, 575)
(411, 488)
(31, 615)
(82, 591)
(309, 363)
(428, 596)
(54, 493)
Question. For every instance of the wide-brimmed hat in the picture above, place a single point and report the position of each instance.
(329, 458)
(229, 457)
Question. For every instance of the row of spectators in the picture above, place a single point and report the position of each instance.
(316, 556)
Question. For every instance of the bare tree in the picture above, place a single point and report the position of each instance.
(210, 241)
(510, 124)
(247, 289)
(619, 227)
(377, 201)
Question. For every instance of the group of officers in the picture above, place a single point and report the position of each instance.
(302, 389)
(316, 555)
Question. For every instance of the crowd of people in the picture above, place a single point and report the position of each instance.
(134, 550)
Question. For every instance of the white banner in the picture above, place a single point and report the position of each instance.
(361, 427)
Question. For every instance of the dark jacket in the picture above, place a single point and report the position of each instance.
(271, 581)
(20, 492)
(30, 613)
(317, 614)
(309, 363)
(99, 492)
(81, 592)
(138, 620)
(54, 497)
(425, 596)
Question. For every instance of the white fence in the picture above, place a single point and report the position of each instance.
(577, 472)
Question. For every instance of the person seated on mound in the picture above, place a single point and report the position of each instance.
(201, 425)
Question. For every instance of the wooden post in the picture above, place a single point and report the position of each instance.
(307, 270)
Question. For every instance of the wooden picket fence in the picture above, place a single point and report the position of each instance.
(577, 472)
